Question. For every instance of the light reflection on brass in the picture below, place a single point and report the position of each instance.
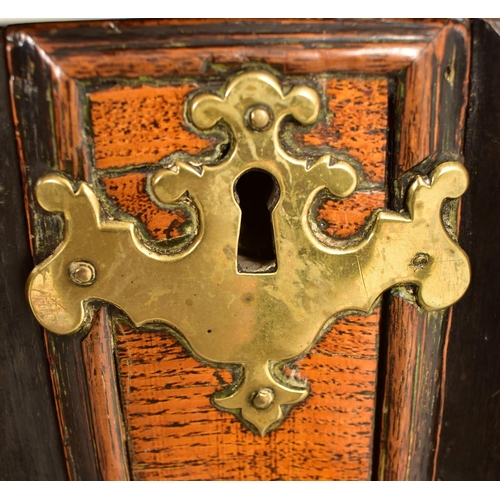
(256, 321)
(259, 118)
(82, 273)
(263, 399)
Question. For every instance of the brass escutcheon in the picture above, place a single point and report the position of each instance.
(257, 321)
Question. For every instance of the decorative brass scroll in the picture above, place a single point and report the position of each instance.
(226, 316)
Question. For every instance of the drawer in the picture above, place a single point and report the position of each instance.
(112, 105)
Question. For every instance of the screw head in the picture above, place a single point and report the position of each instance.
(420, 260)
(259, 118)
(263, 398)
(82, 273)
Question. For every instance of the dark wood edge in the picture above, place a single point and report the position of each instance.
(31, 445)
(393, 44)
(469, 433)
(38, 153)
(73, 406)
(159, 32)
(410, 380)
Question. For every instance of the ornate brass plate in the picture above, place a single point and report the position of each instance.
(255, 320)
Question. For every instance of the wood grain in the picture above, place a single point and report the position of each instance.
(97, 348)
(134, 49)
(32, 112)
(68, 116)
(138, 126)
(469, 444)
(128, 193)
(55, 71)
(431, 130)
(433, 118)
(356, 123)
(78, 36)
(175, 432)
(417, 112)
(166, 393)
(289, 59)
(31, 445)
(72, 404)
(406, 325)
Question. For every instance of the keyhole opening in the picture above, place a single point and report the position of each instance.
(257, 193)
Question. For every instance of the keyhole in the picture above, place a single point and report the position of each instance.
(257, 193)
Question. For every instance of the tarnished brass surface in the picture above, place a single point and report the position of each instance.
(253, 320)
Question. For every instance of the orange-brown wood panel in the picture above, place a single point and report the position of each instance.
(176, 433)
(137, 126)
(128, 193)
(356, 123)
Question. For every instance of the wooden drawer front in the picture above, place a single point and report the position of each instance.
(105, 102)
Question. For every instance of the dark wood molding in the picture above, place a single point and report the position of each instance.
(469, 438)
(31, 446)
(432, 121)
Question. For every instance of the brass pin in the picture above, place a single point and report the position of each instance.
(263, 399)
(82, 273)
(259, 118)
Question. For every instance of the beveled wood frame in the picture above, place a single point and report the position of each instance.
(53, 65)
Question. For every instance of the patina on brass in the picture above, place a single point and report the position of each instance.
(256, 321)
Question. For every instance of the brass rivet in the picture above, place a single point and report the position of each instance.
(259, 118)
(420, 260)
(82, 273)
(263, 399)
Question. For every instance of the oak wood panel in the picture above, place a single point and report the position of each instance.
(160, 418)
(136, 126)
(177, 434)
(172, 422)
(358, 131)
(356, 124)
(129, 193)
